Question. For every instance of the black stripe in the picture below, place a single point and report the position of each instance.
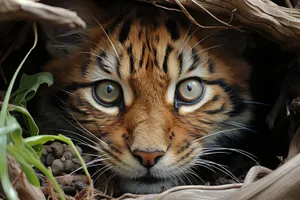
(100, 62)
(79, 101)
(211, 66)
(155, 58)
(166, 58)
(216, 98)
(84, 68)
(147, 63)
(115, 23)
(75, 86)
(118, 67)
(131, 60)
(180, 60)
(196, 60)
(86, 121)
(173, 29)
(205, 122)
(142, 56)
(63, 94)
(76, 109)
(216, 111)
(237, 102)
(140, 34)
(124, 31)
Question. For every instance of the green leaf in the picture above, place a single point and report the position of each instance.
(28, 86)
(26, 168)
(5, 182)
(16, 135)
(26, 153)
(30, 123)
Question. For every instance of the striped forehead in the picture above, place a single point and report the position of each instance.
(134, 44)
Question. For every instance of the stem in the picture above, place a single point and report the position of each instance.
(11, 84)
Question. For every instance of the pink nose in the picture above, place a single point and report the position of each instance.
(148, 159)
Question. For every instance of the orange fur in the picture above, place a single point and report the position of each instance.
(150, 121)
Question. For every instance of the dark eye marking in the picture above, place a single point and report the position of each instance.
(169, 49)
(211, 66)
(124, 31)
(101, 64)
(236, 101)
(79, 101)
(86, 121)
(216, 111)
(77, 109)
(172, 29)
(216, 98)
(205, 122)
(196, 60)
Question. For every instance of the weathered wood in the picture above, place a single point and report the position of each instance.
(280, 24)
(33, 10)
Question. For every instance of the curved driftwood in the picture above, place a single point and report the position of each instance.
(278, 23)
(32, 10)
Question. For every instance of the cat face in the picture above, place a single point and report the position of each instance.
(147, 94)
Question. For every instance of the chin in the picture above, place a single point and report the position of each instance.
(149, 186)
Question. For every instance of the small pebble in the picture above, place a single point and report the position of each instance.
(57, 167)
(49, 159)
(76, 160)
(43, 159)
(68, 155)
(87, 158)
(68, 148)
(68, 166)
(44, 150)
(48, 148)
(76, 166)
(57, 149)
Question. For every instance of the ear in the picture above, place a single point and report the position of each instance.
(60, 42)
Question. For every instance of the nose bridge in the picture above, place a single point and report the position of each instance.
(146, 126)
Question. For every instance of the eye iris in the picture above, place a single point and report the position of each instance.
(190, 90)
(107, 92)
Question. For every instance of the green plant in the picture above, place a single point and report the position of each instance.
(26, 151)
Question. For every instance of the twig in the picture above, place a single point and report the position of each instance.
(255, 173)
(288, 3)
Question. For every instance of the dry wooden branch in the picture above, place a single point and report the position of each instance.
(32, 10)
(280, 24)
(23, 187)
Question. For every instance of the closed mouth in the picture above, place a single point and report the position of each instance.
(148, 179)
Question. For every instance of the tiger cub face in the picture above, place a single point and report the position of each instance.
(148, 93)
